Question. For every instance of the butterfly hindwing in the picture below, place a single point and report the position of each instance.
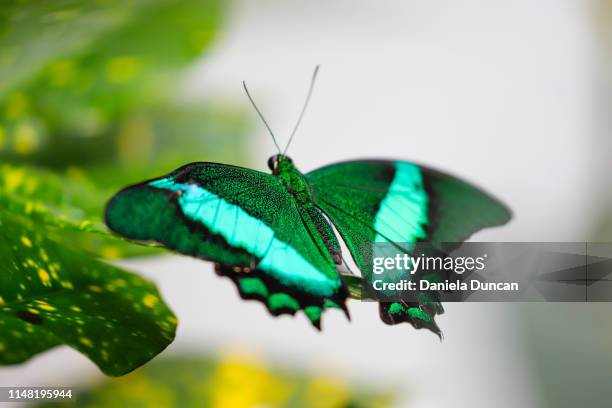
(374, 201)
(245, 222)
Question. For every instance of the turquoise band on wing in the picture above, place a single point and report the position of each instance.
(242, 230)
(402, 214)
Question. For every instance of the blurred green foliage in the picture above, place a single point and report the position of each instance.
(236, 381)
(88, 91)
(90, 102)
(102, 69)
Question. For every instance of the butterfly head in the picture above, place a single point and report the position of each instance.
(279, 162)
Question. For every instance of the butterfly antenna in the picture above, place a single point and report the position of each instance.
(297, 124)
(260, 115)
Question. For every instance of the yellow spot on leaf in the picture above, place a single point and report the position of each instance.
(1, 347)
(111, 252)
(85, 224)
(67, 285)
(150, 300)
(29, 206)
(33, 311)
(39, 207)
(120, 283)
(122, 69)
(44, 277)
(75, 173)
(47, 307)
(26, 139)
(94, 288)
(26, 241)
(85, 341)
(76, 309)
(1, 300)
(13, 179)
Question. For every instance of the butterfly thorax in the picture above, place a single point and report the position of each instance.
(298, 186)
(292, 179)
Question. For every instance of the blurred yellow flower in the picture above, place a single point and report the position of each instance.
(242, 381)
(138, 390)
(324, 392)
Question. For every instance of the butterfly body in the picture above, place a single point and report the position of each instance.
(299, 187)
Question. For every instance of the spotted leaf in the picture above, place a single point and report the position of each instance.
(50, 295)
(69, 205)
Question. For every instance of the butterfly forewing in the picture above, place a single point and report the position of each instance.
(245, 222)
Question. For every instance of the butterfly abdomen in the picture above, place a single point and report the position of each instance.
(325, 231)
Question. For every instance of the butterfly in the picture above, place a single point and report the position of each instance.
(273, 233)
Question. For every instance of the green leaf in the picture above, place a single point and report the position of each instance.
(50, 295)
(68, 203)
(69, 206)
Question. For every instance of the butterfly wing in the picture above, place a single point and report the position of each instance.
(245, 222)
(393, 201)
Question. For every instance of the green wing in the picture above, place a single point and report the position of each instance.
(392, 201)
(245, 222)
